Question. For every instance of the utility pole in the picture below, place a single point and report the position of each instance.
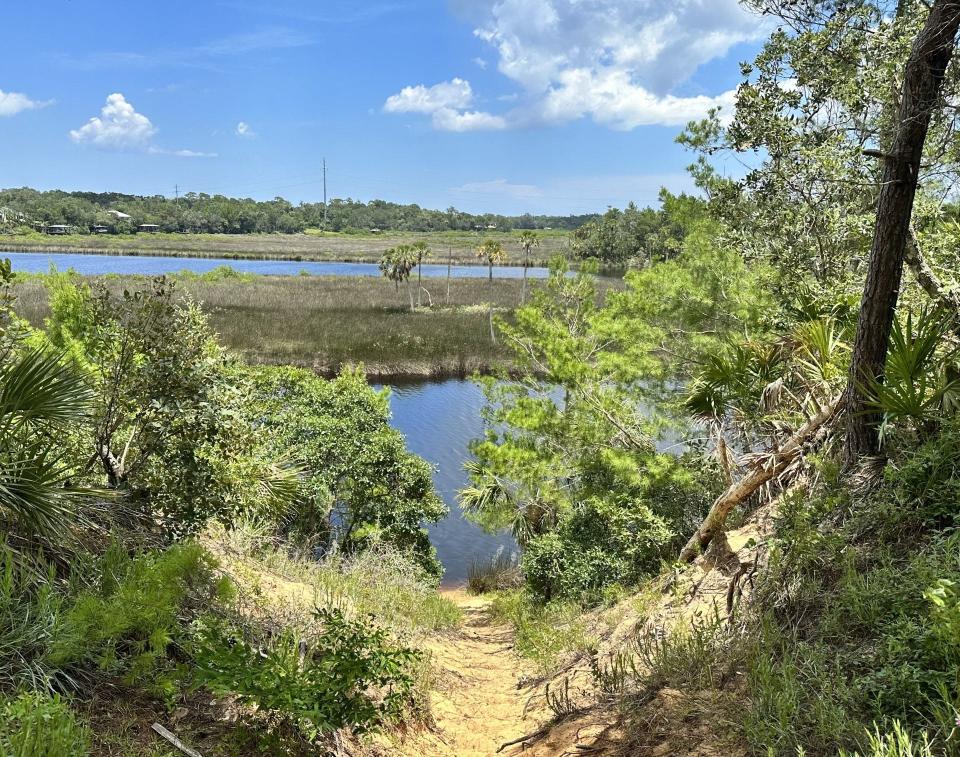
(324, 194)
(176, 200)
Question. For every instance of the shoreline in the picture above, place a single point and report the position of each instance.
(207, 254)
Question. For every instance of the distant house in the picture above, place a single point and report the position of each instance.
(119, 215)
(100, 229)
(374, 231)
(148, 228)
(57, 228)
(491, 225)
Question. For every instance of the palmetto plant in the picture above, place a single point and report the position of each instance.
(41, 398)
(921, 380)
(495, 503)
(422, 250)
(493, 253)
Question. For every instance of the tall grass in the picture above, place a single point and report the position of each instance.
(378, 582)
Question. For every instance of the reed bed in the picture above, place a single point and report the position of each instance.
(326, 322)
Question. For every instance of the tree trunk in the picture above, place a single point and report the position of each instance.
(493, 336)
(523, 289)
(410, 292)
(922, 82)
(419, 278)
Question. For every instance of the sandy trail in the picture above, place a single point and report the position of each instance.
(477, 704)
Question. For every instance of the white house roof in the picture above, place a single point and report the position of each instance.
(118, 214)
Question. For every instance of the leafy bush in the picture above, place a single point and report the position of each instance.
(349, 676)
(37, 725)
(127, 625)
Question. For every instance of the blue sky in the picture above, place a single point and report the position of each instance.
(546, 106)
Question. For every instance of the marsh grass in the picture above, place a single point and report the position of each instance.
(325, 322)
(496, 573)
(312, 245)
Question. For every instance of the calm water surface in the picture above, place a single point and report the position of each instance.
(439, 419)
(148, 265)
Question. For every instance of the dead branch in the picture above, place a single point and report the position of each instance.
(775, 464)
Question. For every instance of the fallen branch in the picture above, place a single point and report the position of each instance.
(776, 463)
(175, 741)
(529, 737)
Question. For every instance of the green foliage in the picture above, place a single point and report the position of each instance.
(139, 610)
(38, 725)
(30, 620)
(360, 485)
(216, 214)
(920, 381)
(348, 676)
(166, 428)
(853, 637)
(634, 236)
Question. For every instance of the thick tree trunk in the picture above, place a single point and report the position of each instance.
(922, 82)
(523, 290)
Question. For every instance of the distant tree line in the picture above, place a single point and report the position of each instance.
(637, 236)
(203, 213)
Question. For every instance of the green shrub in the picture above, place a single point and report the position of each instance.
(138, 611)
(349, 676)
(36, 725)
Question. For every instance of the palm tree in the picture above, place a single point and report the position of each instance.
(396, 265)
(492, 251)
(528, 241)
(423, 251)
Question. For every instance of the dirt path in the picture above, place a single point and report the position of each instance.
(476, 704)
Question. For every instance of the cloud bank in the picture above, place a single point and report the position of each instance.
(618, 62)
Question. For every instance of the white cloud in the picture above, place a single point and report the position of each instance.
(12, 103)
(480, 63)
(447, 104)
(118, 126)
(619, 62)
(243, 130)
(452, 94)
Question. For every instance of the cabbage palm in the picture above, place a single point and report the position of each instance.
(397, 263)
(423, 251)
(492, 252)
(528, 241)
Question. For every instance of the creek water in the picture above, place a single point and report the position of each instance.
(155, 265)
(439, 419)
